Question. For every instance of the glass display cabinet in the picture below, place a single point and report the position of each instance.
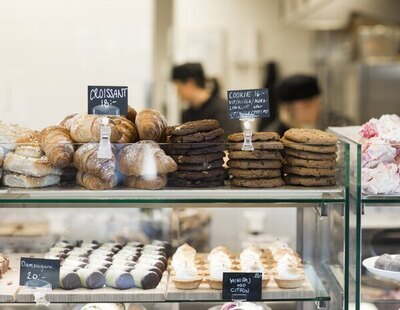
(326, 237)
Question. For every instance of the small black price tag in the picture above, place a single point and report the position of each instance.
(108, 100)
(248, 103)
(242, 286)
(38, 272)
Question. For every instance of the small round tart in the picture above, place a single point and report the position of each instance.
(214, 284)
(265, 280)
(289, 284)
(187, 284)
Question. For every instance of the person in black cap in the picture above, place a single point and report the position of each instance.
(202, 96)
(300, 106)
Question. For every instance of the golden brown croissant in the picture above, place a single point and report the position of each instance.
(86, 128)
(68, 120)
(93, 182)
(158, 182)
(56, 143)
(145, 158)
(85, 160)
(151, 125)
(131, 114)
(127, 129)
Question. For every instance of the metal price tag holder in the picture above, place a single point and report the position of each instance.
(247, 134)
(40, 289)
(105, 151)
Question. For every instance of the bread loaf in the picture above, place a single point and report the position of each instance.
(145, 159)
(57, 144)
(92, 182)
(127, 130)
(151, 125)
(37, 167)
(85, 160)
(158, 182)
(86, 128)
(29, 151)
(24, 181)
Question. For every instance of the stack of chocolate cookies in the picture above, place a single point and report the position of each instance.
(197, 148)
(260, 168)
(310, 157)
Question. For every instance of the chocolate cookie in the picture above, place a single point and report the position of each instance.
(195, 183)
(310, 148)
(198, 136)
(254, 164)
(196, 145)
(205, 150)
(310, 136)
(257, 183)
(201, 167)
(254, 173)
(198, 175)
(256, 136)
(315, 172)
(309, 155)
(197, 159)
(310, 163)
(255, 155)
(265, 145)
(193, 127)
(309, 181)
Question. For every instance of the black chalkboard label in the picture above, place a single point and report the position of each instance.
(108, 100)
(39, 272)
(242, 286)
(248, 103)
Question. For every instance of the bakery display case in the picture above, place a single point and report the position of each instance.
(375, 193)
(111, 188)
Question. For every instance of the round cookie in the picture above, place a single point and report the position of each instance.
(264, 145)
(310, 163)
(193, 127)
(310, 136)
(198, 136)
(205, 150)
(197, 159)
(303, 171)
(195, 183)
(201, 167)
(254, 173)
(196, 145)
(255, 155)
(309, 155)
(254, 164)
(256, 136)
(309, 181)
(257, 183)
(310, 148)
(198, 175)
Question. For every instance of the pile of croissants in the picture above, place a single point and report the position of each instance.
(137, 160)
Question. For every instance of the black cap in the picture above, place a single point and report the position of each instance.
(298, 87)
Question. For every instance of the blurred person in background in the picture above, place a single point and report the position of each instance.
(300, 106)
(270, 81)
(202, 96)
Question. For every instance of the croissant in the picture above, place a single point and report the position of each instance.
(85, 160)
(157, 182)
(131, 114)
(127, 129)
(68, 120)
(145, 158)
(86, 128)
(56, 143)
(93, 182)
(151, 125)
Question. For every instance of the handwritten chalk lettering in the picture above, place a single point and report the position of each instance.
(248, 103)
(34, 269)
(108, 100)
(245, 284)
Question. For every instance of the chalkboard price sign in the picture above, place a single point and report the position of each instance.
(242, 286)
(248, 103)
(38, 272)
(108, 100)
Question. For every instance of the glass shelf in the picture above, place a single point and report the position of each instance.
(224, 194)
